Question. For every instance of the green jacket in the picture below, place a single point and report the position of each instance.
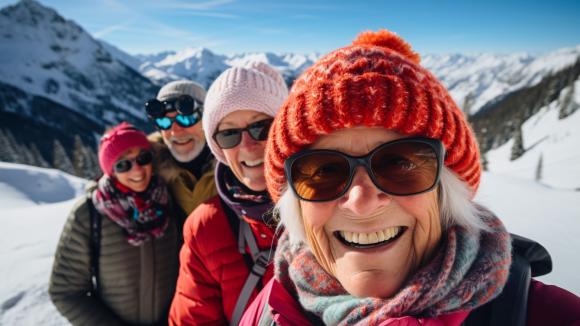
(137, 283)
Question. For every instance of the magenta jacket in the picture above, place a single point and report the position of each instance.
(547, 305)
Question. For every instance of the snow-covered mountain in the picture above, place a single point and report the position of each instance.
(35, 202)
(49, 64)
(70, 83)
(473, 80)
(204, 66)
(476, 80)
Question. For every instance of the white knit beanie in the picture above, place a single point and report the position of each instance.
(255, 86)
(181, 87)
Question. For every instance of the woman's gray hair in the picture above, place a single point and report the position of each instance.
(456, 207)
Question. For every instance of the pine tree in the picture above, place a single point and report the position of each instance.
(27, 156)
(518, 146)
(40, 160)
(60, 159)
(8, 152)
(540, 168)
(568, 105)
(93, 166)
(80, 159)
(484, 161)
(468, 104)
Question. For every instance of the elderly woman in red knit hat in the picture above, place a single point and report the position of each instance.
(117, 258)
(373, 168)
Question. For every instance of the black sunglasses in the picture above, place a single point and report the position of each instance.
(125, 165)
(230, 138)
(189, 111)
(403, 167)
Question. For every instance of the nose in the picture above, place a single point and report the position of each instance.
(136, 167)
(176, 129)
(247, 141)
(363, 197)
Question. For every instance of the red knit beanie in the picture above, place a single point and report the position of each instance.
(375, 82)
(117, 141)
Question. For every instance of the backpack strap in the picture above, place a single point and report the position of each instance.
(260, 260)
(94, 244)
(529, 259)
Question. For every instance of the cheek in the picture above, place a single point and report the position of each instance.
(197, 131)
(231, 156)
(122, 178)
(427, 230)
(317, 214)
(149, 172)
(315, 217)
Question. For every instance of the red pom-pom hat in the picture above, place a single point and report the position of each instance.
(375, 82)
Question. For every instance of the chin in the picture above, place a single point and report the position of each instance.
(255, 185)
(371, 285)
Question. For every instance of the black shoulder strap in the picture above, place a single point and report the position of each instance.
(95, 244)
(529, 259)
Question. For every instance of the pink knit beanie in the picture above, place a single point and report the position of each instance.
(255, 86)
(117, 141)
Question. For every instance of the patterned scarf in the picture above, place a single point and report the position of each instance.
(468, 271)
(240, 192)
(141, 215)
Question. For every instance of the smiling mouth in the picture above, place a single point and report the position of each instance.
(182, 142)
(363, 240)
(253, 164)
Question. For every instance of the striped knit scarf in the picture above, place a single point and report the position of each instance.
(141, 215)
(468, 271)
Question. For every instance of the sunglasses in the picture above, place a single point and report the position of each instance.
(402, 167)
(142, 159)
(189, 111)
(230, 138)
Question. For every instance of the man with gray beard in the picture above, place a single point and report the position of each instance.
(181, 154)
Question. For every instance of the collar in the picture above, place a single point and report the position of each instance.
(199, 164)
(249, 209)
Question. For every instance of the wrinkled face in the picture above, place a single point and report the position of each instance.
(364, 214)
(185, 144)
(246, 159)
(138, 177)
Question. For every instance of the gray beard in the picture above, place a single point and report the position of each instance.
(187, 157)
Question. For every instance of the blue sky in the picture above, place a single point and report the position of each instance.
(305, 26)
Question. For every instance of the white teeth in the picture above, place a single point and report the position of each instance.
(181, 141)
(363, 238)
(371, 238)
(253, 163)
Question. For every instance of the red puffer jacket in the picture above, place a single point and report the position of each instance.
(212, 271)
(547, 305)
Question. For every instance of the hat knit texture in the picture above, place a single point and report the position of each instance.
(255, 86)
(375, 82)
(117, 141)
(181, 87)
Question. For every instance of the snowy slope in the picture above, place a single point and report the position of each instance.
(35, 202)
(556, 141)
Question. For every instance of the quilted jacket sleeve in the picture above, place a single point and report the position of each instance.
(198, 296)
(70, 281)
